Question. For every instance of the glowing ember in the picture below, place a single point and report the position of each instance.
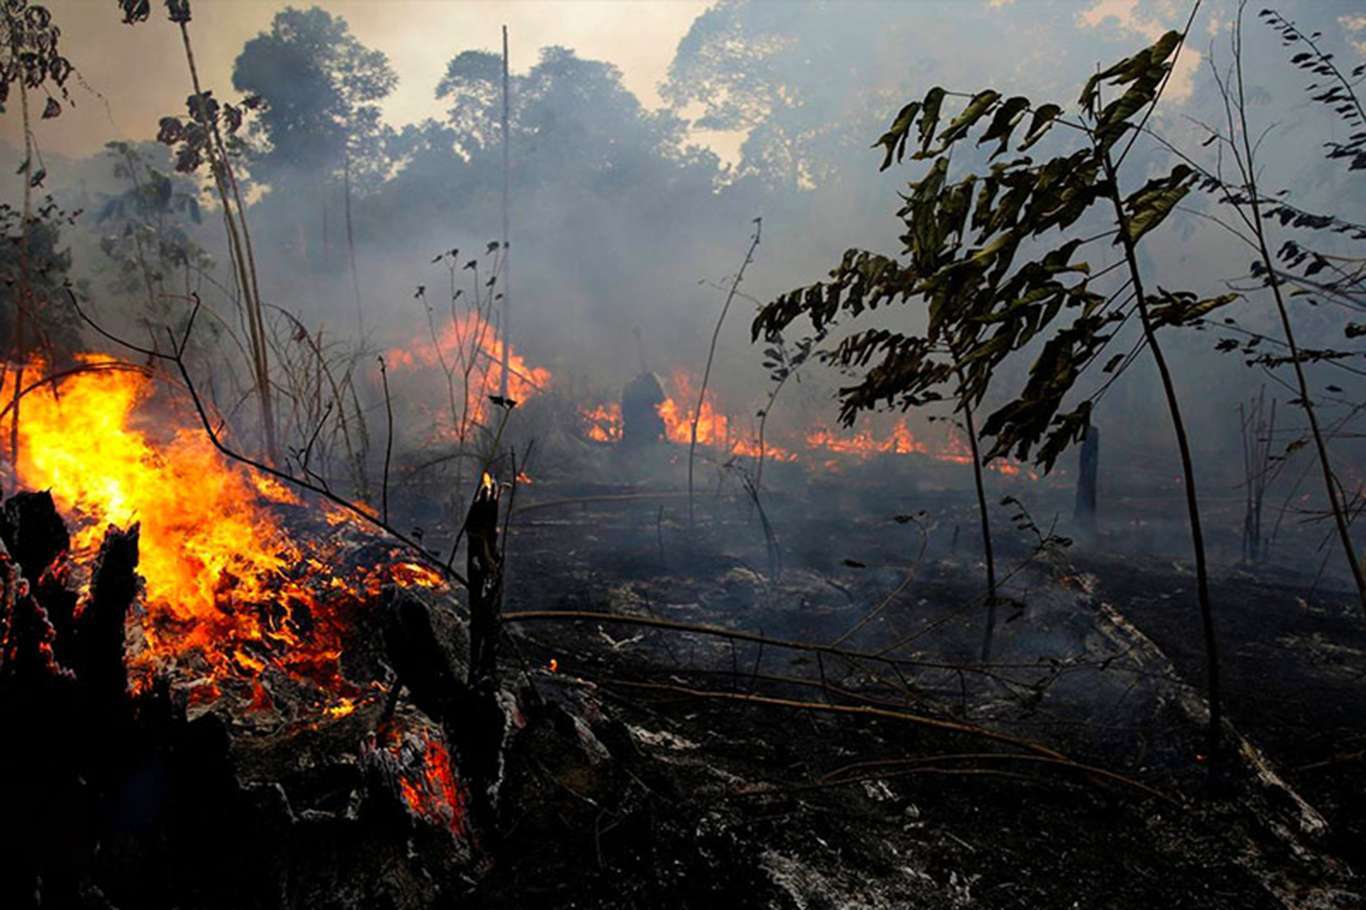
(553, 666)
(342, 708)
(433, 791)
(415, 574)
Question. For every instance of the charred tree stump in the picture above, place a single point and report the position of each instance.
(99, 632)
(641, 424)
(1089, 469)
(33, 532)
(63, 685)
(481, 735)
(484, 565)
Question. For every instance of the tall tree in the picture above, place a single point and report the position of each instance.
(322, 88)
(322, 120)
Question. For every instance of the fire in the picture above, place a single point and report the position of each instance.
(414, 574)
(713, 426)
(343, 707)
(229, 592)
(713, 429)
(901, 441)
(553, 666)
(432, 790)
(470, 349)
(603, 423)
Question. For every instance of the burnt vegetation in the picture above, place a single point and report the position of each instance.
(326, 583)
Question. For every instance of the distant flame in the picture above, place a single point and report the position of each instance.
(901, 441)
(471, 346)
(603, 422)
(716, 430)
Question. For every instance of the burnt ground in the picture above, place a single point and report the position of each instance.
(756, 804)
(644, 766)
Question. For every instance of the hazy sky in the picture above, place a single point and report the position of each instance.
(140, 73)
(134, 75)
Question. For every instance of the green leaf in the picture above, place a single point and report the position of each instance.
(1182, 308)
(929, 118)
(1003, 123)
(894, 140)
(1148, 207)
(1043, 120)
(976, 109)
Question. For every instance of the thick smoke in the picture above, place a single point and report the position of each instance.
(619, 222)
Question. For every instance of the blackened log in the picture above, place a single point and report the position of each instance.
(26, 634)
(479, 732)
(427, 650)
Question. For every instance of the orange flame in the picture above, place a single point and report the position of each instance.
(433, 792)
(901, 441)
(469, 345)
(603, 422)
(224, 580)
(713, 429)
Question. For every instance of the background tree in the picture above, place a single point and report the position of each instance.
(322, 119)
(147, 231)
(31, 61)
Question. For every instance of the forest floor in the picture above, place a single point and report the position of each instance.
(783, 706)
(758, 804)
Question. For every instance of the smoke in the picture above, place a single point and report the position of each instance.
(619, 221)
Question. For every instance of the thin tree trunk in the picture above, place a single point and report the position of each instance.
(990, 631)
(711, 356)
(25, 289)
(224, 180)
(1330, 483)
(1187, 468)
(506, 317)
(351, 246)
